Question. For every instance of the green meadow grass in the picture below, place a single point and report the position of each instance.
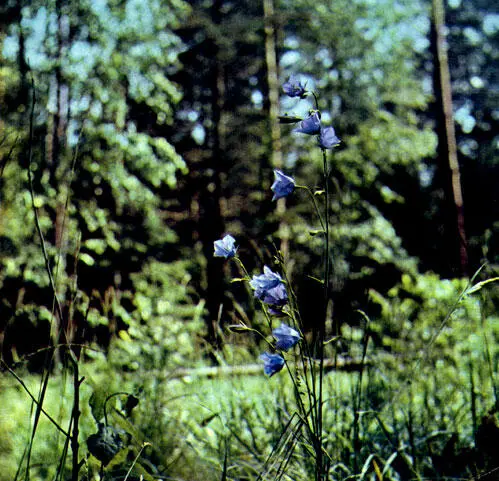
(421, 405)
(244, 426)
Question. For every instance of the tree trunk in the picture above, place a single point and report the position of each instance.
(211, 225)
(273, 113)
(447, 141)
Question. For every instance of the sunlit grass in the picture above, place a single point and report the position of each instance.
(193, 423)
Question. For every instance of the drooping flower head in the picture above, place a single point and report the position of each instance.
(225, 247)
(310, 126)
(276, 296)
(286, 337)
(294, 88)
(270, 289)
(265, 281)
(327, 138)
(272, 363)
(283, 185)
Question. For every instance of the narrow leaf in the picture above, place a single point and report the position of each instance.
(479, 285)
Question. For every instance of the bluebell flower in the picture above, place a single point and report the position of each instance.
(286, 337)
(270, 289)
(276, 296)
(294, 88)
(311, 125)
(327, 138)
(272, 363)
(282, 186)
(265, 281)
(225, 247)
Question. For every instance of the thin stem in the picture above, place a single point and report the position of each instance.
(121, 393)
(76, 416)
(241, 265)
(136, 459)
(305, 354)
(322, 326)
(300, 402)
(46, 375)
(314, 201)
(21, 382)
(316, 100)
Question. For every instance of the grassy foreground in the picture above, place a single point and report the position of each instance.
(422, 407)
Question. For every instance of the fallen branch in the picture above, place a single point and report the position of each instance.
(257, 369)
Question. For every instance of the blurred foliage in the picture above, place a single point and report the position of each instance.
(425, 405)
(163, 332)
(101, 167)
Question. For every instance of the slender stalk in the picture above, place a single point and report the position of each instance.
(314, 201)
(38, 404)
(136, 459)
(306, 356)
(76, 416)
(303, 410)
(120, 393)
(45, 377)
(322, 327)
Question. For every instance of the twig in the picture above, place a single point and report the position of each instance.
(49, 417)
(256, 369)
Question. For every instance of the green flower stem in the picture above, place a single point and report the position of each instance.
(314, 201)
(305, 353)
(241, 265)
(262, 304)
(121, 393)
(322, 326)
(304, 412)
(316, 100)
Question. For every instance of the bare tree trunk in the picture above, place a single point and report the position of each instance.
(272, 81)
(273, 103)
(443, 75)
(212, 224)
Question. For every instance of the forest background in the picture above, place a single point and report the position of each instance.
(133, 134)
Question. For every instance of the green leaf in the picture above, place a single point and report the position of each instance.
(87, 259)
(479, 285)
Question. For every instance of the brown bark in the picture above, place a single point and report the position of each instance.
(273, 112)
(273, 82)
(449, 134)
(211, 222)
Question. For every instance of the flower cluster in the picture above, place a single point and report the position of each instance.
(269, 288)
(312, 126)
(276, 297)
(326, 136)
(286, 337)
